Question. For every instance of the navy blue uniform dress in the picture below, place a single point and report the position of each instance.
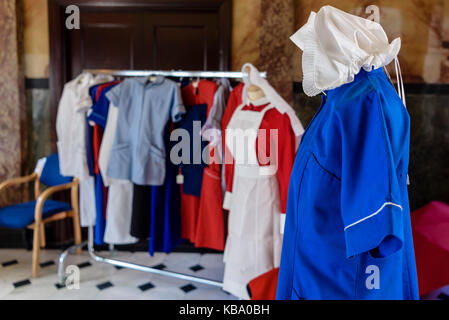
(348, 232)
(193, 170)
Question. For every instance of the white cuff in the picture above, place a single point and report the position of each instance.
(227, 200)
(282, 223)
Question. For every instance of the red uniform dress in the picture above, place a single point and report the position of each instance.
(210, 229)
(235, 100)
(264, 287)
(211, 226)
(190, 205)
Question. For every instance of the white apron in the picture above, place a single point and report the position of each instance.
(254, 241)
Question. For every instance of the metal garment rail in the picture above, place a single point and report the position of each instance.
(90, 242)
(124, 264)
(173, 73)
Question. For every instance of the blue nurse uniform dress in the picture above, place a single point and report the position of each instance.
(348, 231)
(193, 170)
(165, 218)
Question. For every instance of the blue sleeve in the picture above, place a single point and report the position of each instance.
(371, 205)
(177, 106)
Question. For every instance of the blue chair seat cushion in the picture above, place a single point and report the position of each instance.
(19, 216)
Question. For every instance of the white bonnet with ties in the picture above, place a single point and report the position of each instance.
(336, 45)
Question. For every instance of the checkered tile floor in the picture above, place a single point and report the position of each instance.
(102, 281)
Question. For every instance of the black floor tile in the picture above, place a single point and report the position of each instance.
(188, 288)
(9, 263)
(47, 263)
(160, 266)
(197, 268)
(104, 285)
(84, 265)
(21, 283)
(146, 286)
(59, 286)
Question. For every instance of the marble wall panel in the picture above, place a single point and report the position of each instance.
(429, 148)
(423, 26)
(246, 32)
(260, 35)
(38, 124)
(36, 36)
(276, 49)
(11, 100)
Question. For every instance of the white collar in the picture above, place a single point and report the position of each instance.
(259, 102)
(254, 77)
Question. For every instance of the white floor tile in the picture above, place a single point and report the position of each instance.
(125, 282)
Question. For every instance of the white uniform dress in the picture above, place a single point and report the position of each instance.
(71, 132)
(120, 195)
(254, 239)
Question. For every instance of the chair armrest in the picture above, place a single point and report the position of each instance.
(46, 194)
(18, 181)
(49, 191)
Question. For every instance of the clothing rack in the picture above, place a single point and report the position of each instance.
(123, 264)
(90, 242)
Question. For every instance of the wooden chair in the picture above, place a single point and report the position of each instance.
(35, 214)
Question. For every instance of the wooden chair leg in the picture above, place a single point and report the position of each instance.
(42, 236)
(76, 217)
(36, 250)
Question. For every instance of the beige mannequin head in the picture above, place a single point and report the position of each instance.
(254, 92)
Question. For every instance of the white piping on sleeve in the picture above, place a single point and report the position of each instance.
(375, 213)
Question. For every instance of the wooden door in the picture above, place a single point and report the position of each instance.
(136, 35)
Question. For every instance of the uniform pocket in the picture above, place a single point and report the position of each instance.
(321, 240)
(378, 277)
(319, 203)
(157, 152)
(120, 146)
(119, 161)
(148, 154)
(150, 165)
